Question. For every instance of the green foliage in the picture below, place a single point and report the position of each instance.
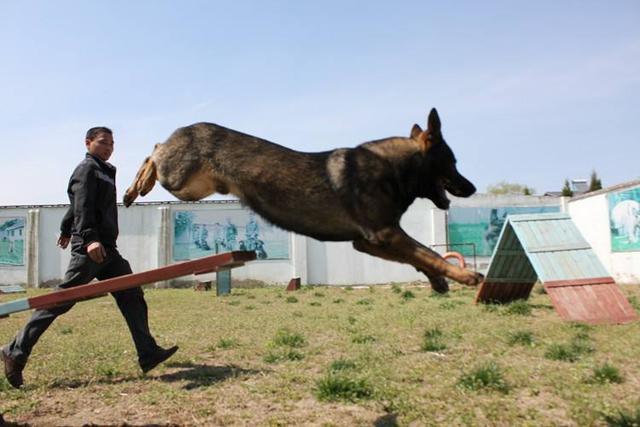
(363, 339)
(623, 418)
(342, 365)
(557, 351)
(504, 187)
(291, 300)
(595, 183)
(284, 347)
(635, 302)
(227, 343)
(286, 338)
(607, 373)
(451, 304)
(407, 295)
(579, 346)
(486, 376)
(107, 371)
(520, 337)
(333, 387)
(519, 307)
(433, 340)
(365, 301)
(566, 189)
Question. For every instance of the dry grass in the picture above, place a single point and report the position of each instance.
(330, 356)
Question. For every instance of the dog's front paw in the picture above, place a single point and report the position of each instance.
(474, 279)
(439, 284)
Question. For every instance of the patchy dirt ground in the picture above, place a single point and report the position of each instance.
(326, 357)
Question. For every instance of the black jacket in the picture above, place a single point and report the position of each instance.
(93, 213)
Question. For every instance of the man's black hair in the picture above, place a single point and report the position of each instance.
(93, 132)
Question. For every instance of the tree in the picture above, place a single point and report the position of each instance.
(504, 187)
(596, 183)
(566, 190)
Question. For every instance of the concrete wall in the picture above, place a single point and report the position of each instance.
(146, 232)
(590, 213)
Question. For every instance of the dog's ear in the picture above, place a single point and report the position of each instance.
(416, 131)
(433, 126)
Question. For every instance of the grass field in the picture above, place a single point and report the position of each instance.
(385, 356)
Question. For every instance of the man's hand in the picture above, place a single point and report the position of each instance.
(96, 252)
(63, 241)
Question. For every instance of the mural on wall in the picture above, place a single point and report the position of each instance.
(200, 233)
(12, 232)
(624, 220)
(482, 226)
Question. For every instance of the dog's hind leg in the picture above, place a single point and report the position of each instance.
(394, 244)
(143, 183)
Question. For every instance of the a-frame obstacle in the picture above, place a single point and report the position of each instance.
(550, 248)
(221, 264)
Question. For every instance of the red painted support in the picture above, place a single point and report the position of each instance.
(198, 266)
(294, 284)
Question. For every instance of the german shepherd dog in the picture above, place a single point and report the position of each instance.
(348, 194)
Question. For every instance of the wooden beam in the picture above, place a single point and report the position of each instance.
(207, 264)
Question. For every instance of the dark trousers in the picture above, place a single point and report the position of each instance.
(82, 270)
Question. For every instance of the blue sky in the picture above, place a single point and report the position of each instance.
(528, 92)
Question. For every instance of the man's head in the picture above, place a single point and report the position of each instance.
(99, 142)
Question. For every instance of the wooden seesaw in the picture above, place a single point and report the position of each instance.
(221, 264)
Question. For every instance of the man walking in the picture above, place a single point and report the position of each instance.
(91, 226)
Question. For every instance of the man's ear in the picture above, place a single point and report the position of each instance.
(433, 124)
(415, 131)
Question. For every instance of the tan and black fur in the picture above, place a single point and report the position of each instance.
(348, 194)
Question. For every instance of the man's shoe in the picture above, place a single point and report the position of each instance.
(12, 370)
(157, 358)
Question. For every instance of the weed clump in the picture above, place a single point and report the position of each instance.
(333, 387)
(520, 338)
(407, 295)
(227, 343)
(606, 373)
(342, 365)
(432, 340)
(519, 307)
(487, 376)
(623, 418)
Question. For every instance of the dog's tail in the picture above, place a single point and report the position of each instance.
(143, 183)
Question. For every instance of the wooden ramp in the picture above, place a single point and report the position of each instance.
(221, 264)
(550, 248)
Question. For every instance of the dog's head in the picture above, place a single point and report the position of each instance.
(439, 165)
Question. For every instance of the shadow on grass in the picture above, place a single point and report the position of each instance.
(10, 424)
(76, 383)
(389, 420)
(204, 375)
